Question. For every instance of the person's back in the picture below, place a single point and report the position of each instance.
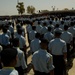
(8, 71)
(42, 61)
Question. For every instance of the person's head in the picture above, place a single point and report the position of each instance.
(37, 35)
(44, 44)
(65, 27)
(57, 26)
(49, 28)
(50, 22)
(44, 24)
(9, 57)
(62, 22)
(4, 29)
(20, 30)
(39, 23)
(57, 34)
(18, 26)
(34, 27)
(72, 24)
(16, 42)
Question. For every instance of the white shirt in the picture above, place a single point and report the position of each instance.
(11, 29)
(44, 30)
(57, 46)
(48, 36)
(22, 41)
(38, 28)
(21, 59)
(8, 71)
(42, 61)
(57, 29)
(29, 28)
(5, 39)
(32, 34)
(72, 30)
(35, 45)
(67, 37)
(9, 33)
(61, 26)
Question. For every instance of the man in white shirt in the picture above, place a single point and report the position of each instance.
(22, 42)
(72, 30)
(68, 38)
(48, 36)
(57, 48)
(32, 33)
(21, 66)
(5, 40)
(42, 61)
(35, 43)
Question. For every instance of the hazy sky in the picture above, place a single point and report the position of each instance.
(8, 7)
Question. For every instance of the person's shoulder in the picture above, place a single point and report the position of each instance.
(23, 37)
(20, 51)
(36, 53)
(14, 72)
(52, 40)
(62, 41)
(49, 55)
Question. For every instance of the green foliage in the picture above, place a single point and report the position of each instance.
(30, 9)
(20, 8)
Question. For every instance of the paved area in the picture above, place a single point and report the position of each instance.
(72, 70)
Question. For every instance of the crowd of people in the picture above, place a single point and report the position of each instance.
(51, 40)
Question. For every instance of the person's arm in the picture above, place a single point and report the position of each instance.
(65, 53)
(50, 65)
(52, 72)
(65, 57)
(33, 68)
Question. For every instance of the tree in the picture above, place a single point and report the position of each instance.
(31, 9)
(66, 9)
(20, 8)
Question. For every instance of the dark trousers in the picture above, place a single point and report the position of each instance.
(40, 73)
(59, 64)
(73, 43)
(25, 54)
(20, 70)
(68, 52)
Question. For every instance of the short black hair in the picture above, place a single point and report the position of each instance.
(34, 27)
(8, 55)
(20, 30)
(37, 35)
(4, 29)
(44, 41)
(15, 42)
(58, 33)
(65, 27)
(49, 28)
